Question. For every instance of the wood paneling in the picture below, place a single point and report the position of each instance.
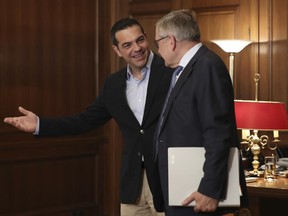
(47, 64)
(150, 7)
(47, 56)
(209, 3)
(279, 34)
(227, 21)
(50, 179)
(217, 23)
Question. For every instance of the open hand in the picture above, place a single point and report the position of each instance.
(26, 123)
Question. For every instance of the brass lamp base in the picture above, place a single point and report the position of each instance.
(254, 143)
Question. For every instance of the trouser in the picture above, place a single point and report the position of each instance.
(145, 206)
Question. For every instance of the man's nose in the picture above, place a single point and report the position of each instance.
(136, 46)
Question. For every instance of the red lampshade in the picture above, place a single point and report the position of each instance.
(261, 115)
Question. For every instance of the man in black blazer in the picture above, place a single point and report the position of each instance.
(133, 96)
(199, 113)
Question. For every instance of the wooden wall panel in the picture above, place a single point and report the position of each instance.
(47, 64)
(279, 55)
(50, 179)
(47, 59)
(218, 23)
(208, 3)
(221, 20)
(279, 22)
(261, 22)
(264, 51)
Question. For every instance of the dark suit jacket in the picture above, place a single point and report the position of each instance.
(200, 113)
(138, 139)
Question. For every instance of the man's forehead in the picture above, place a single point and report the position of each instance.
(129, 34)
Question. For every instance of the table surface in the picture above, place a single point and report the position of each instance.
(265, 189)
(268, 198)
(280, 183)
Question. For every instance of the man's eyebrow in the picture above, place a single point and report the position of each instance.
(130, 42)
(126, 43)
(140, 37)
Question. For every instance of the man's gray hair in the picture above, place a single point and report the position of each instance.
(182, 24)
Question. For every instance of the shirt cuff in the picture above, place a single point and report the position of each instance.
(37, 127)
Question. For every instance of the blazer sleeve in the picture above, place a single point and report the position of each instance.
(94, 116)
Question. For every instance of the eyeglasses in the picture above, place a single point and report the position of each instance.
(156, 42)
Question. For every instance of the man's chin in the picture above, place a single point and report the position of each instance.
(141, 63)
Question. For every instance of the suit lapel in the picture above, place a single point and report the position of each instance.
(154, 79)
(188, 70)
(120, 90)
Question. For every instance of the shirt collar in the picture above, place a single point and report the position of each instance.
(188, 55)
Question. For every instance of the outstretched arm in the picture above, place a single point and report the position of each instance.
(26, 123)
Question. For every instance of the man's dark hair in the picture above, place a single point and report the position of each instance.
(121, 25)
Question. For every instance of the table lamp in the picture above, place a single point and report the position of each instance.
(232, 47)
(260, 116)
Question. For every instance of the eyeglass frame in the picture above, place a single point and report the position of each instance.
(156, 42)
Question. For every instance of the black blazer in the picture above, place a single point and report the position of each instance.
(138, 139)
(200, 113)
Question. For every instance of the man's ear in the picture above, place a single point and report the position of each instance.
(116, 49)
(173, 42)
